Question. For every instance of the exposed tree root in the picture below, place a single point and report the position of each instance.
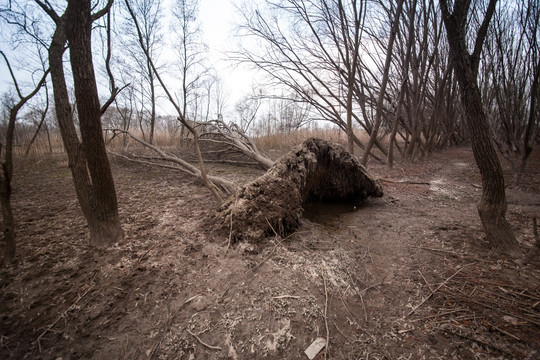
(315, 170)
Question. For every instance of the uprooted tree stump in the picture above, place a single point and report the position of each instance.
(315, 170)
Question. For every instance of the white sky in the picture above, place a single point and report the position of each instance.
(218, 20)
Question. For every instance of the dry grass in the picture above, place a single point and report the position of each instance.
(284, 141)
(276, 143)
(41, 148)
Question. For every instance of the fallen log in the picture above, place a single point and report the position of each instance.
(315, 170)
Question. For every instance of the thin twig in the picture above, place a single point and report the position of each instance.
(466, 299)
(504, 332)
(341, 332)
(269, 255)
(271, 227)
(62, 315)
(363, 307)
(353, 316)
(521, 293)
(326, 313)
(434, 291)
(364, 291)
(202, 342)
(430, 289)
(479, 342)
(438, 315)
(266, 258)
(223, 293)
(286, 297)
(406, 182)
(436, 250)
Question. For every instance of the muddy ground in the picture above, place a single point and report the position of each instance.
(407, 276)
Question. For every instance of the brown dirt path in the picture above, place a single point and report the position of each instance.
(408, 276)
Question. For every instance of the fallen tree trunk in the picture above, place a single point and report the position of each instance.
(213, 183)
(315, 170)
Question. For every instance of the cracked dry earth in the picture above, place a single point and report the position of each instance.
(407, 276)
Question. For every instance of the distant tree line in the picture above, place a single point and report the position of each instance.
(385, 67)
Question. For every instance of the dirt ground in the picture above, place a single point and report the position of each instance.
(406, 276)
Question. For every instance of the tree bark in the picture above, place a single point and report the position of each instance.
(405, 75)
(5, 188)
(492, 205)
(100, 194)
(7, 217)
(87, 160)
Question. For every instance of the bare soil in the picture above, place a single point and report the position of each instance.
(406, 276)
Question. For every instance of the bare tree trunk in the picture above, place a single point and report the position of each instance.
(41, 121)
(378, 115)
(405, 76)
(100, 197)
(492, 205)
(351, 61)
(527, 148)
(153, 104)
(5, 189)
(216, 182)
(48, 138)
(6, 167)
(7, 217)
(87, 160)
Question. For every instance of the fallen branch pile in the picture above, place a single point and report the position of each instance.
(232, 139)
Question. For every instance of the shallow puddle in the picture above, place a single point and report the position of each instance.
(328, 213)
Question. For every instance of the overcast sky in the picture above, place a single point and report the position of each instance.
(218, 19)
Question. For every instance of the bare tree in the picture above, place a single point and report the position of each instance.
(217, 186)
(87, 156)
(384, 81)
(190, 51)
(150, 15)
(316, 56)
(404, 75)
(492, 205)
(6, 163)
(247, 109)
(202, 173)
(360, 64)
(42, 117)
(350, 54)
(510, 81)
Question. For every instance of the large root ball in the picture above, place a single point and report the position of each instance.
(316, 170)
